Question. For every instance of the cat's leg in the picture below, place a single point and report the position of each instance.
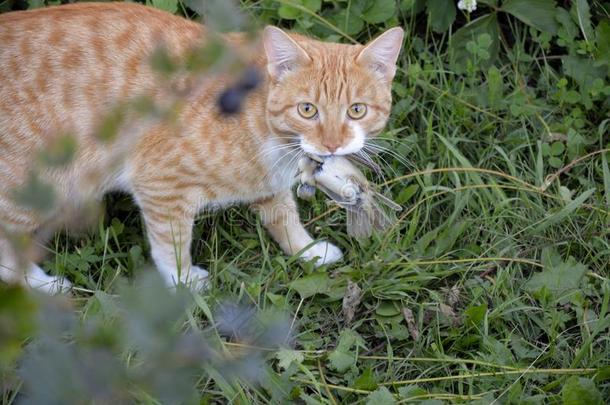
(169, 230)
(280, 216)
(16, 269)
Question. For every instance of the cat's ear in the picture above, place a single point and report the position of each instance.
(380, 55)
(283, 53)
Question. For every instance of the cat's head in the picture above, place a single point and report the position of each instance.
(331, 96)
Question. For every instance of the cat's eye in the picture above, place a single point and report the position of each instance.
(307, 110)
(356, 111)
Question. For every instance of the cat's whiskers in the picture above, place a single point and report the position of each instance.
(268, 151)
(381, 149)
(367, 157)
(278, 162)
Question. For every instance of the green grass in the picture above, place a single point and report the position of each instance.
(501, 253)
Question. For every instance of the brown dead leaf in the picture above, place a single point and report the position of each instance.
(448, 312)
(351, 300)
(453, 296)
(411, 325)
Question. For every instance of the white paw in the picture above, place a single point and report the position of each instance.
(325, 253)
(38, 279)
(195, 278)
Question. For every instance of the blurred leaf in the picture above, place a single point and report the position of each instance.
(162, 62)
(316, 283)
(344, 355)
(17, 321)
(582, 70)
(219, 15)
(580, 390)
(602, 34)
(409, 391)
(406, 194)
(495, 87)
(378, 11)
(584, 19)
(381, 396)
(166, 5)
(347, 20)
(459, 53)
(560, 215)
(387, 308)
(606, 173)
(288, 12)
(557, 278)
(366, 381)
(441, 14)
(286, 357)
(111, 124)
(35, 4)
(539, 14)
(35, 195)
(60, 151)
(570, 30)
(475, 314)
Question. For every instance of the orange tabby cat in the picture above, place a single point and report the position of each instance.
(62, 69)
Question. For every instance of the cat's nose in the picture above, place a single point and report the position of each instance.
(332, 146)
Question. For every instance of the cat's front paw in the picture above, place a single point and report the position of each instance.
(195, 278)
(323, 252)
(38, 279)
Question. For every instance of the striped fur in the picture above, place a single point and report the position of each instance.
(63, 69)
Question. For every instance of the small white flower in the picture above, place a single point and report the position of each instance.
(468, 5)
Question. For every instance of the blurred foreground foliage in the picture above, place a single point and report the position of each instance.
(141, 344)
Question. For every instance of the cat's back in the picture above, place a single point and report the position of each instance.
(66, 36)
(63, 66)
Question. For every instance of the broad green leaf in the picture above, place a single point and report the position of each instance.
(441, 14)
(406, 194)
(316, 283)
(286, 357)
(580, 390)
(584, 19)
(602, 34)
(459, 53)
(565, 211)
(312, 5)
(539, 14)
(409, 391)
(378, 11)
(381, 396)
(565, 20)
(345, 355)
(387, 308)
(447, 238)
(557, 278)
(475, 314)
(288, 12)
(582, 70)
(341, 361)
(366, 381)
(166, 5)
(349, 22)
(35, 4)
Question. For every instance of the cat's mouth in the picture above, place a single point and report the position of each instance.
(355, 145)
